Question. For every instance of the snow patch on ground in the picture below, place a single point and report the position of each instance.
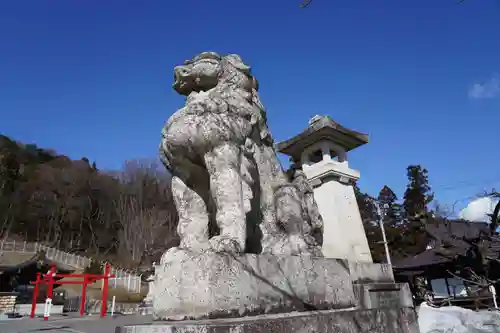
(453, 319)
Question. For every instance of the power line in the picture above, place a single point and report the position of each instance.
(464, 184)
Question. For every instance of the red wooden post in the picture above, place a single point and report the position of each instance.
(35, 296)
(84, 295)
(105, 290)
(50, 290)
(51, 280)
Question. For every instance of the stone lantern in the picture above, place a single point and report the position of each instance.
(321, 152)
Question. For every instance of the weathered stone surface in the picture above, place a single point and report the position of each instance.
(310, 209)
(228, 185)
(334, 321)
(367, 272)
(203, 285)
(383, 295)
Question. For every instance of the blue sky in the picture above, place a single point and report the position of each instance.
(93, 78)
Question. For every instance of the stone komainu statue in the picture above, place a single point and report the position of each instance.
(228, 185)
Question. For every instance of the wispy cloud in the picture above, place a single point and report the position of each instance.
(486, 89)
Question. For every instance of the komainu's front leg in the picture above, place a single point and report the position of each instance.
(193, 216)
(223, 165)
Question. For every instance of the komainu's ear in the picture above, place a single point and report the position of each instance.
(202, 56)
(236, 61)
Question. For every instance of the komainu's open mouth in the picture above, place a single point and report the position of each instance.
(176, 79)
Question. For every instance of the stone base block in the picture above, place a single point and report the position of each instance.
(383, 295)
(193, 285)
(333, 321)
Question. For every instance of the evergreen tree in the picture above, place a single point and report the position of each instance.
(388, 203)
(409, 236)
(387, 196)
(366, 206)
(418, 192)
(369, 217)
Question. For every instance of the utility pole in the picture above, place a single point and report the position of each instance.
(381, 214)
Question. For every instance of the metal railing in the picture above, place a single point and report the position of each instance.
(124, 279)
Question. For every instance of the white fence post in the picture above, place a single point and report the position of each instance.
(113, 306)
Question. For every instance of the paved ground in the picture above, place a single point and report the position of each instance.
(88, 324)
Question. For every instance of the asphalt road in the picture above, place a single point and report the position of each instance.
(62, 324)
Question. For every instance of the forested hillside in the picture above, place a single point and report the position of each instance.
(126, 216)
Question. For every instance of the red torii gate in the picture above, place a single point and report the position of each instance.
(49, 279)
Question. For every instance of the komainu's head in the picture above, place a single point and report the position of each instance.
(208, 70)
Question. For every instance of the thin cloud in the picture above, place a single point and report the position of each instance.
(487, 89)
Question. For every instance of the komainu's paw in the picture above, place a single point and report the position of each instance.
(224, 244)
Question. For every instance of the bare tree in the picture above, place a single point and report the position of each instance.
(145, 211)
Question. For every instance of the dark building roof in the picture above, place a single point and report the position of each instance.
(12, 261)
(451, 239)
(457, 229)
(421, 260)
(9, 259)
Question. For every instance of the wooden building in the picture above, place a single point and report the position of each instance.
(456, 265)
(18, 269)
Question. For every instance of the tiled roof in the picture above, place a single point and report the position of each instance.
(426, 258)
(457, 229)
(453, 238)
(8, 259)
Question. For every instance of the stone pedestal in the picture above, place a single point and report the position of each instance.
(193, 285)
(387, 320)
